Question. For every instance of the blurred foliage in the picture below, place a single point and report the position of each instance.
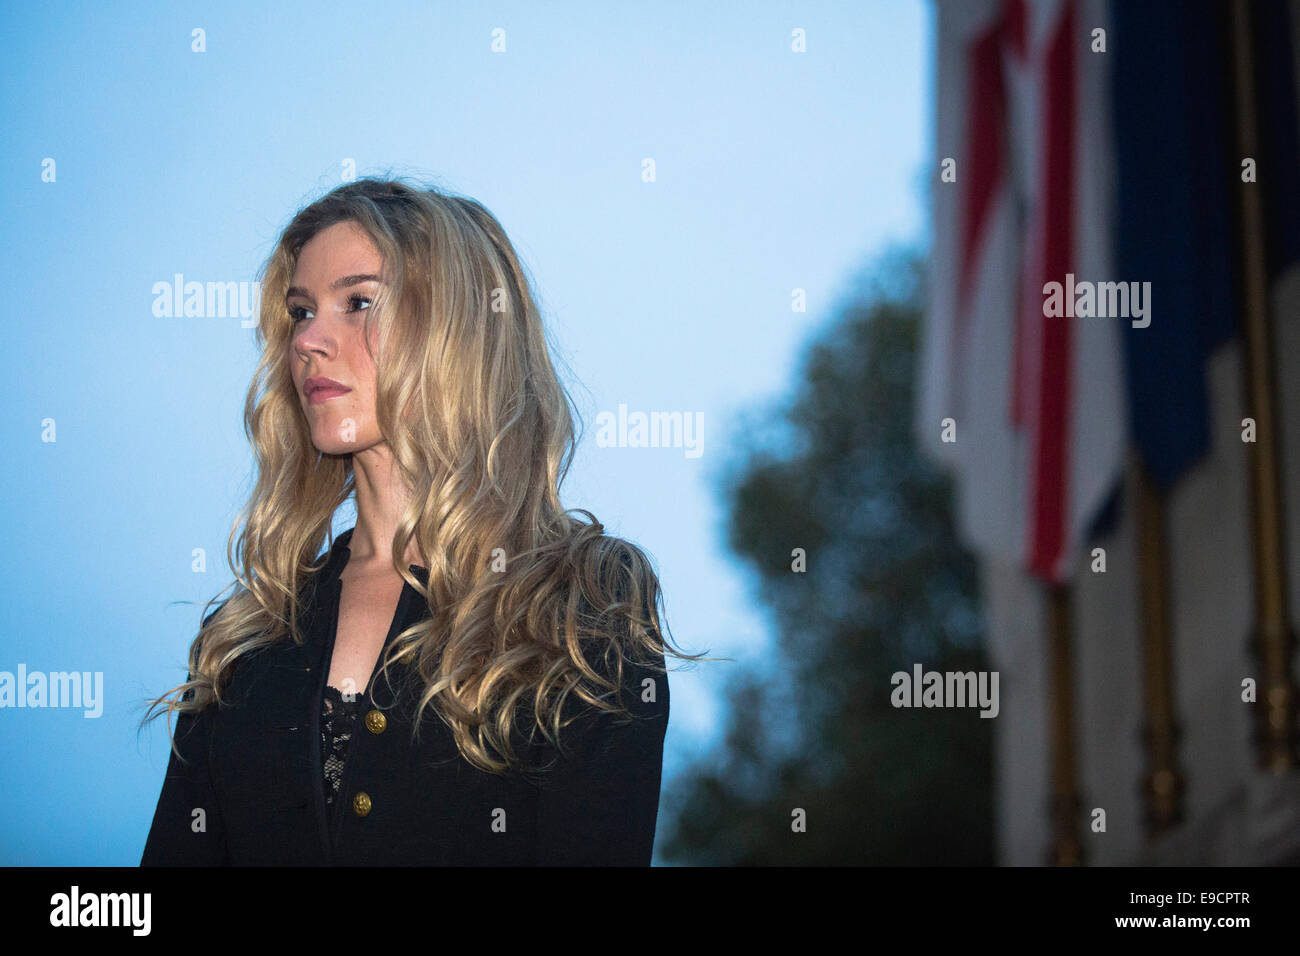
(836, 471)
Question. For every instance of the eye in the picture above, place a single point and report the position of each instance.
(298, 313)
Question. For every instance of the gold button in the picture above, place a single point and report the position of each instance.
(376, 722)
(361, 803)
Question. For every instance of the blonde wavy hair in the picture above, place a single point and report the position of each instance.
(484, 440)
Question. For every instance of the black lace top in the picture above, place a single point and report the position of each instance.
(338, 718)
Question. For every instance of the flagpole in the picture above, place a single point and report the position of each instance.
(1163, 785)
(1066, 848)
(1272, 638)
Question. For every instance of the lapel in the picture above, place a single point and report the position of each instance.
(318, 645)
(320, 627)
(298, 668)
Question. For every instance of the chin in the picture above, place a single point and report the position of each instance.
(328, 438)
(328, 442)
(332, 447)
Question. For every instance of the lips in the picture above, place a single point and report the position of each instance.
(321, 389)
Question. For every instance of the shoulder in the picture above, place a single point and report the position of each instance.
(616, 573)
(632, 675)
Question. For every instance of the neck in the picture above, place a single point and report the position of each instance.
(381, 498)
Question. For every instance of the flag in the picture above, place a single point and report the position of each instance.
(1174, 186)
(1036, 402)
(1175, 199)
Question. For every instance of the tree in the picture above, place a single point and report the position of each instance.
(836, 473)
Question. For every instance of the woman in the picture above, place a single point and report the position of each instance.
(470, 675)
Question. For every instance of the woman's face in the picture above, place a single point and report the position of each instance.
(333, 286)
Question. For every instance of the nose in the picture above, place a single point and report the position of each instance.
(309, 336)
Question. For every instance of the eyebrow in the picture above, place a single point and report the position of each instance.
(340, 283)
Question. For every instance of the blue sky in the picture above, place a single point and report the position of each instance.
(774, 171)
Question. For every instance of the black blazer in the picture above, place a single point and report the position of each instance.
(254, 768)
